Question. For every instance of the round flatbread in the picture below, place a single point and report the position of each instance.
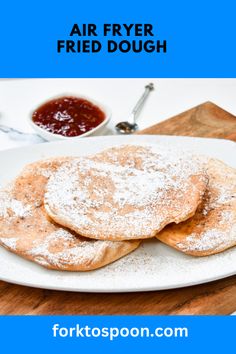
(26, 230)
(124, 193)
(213, 228)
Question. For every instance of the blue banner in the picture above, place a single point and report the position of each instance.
(118, 39)
(117, 334)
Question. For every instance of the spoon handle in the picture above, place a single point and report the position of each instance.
(139, 105)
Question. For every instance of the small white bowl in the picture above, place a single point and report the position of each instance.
(52, 136)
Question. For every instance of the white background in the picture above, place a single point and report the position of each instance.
(171, 96)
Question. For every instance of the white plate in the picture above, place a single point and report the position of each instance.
(153, 266)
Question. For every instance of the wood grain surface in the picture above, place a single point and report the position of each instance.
(205, 120)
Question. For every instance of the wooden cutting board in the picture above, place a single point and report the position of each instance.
(205, 120)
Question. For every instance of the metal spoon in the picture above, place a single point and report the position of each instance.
(130, 126)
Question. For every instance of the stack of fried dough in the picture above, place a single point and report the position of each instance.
(82, 213)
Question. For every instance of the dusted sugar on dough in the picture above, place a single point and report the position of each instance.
(213, 228)
(26, 229)
(127, 192)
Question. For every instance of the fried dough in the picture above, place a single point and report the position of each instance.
(26, 230)
(213, 228)
(124, 193)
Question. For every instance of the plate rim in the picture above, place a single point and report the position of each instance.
(123, 289)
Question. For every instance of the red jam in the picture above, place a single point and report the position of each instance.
(68, 116)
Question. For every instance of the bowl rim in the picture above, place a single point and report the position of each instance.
(43, 132)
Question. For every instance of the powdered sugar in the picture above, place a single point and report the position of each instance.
(210, 239)
(133, 198)
(10, 242)
(155, 267)
(215, 230)
(71, 251)
(37, 238)
(12, 207)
